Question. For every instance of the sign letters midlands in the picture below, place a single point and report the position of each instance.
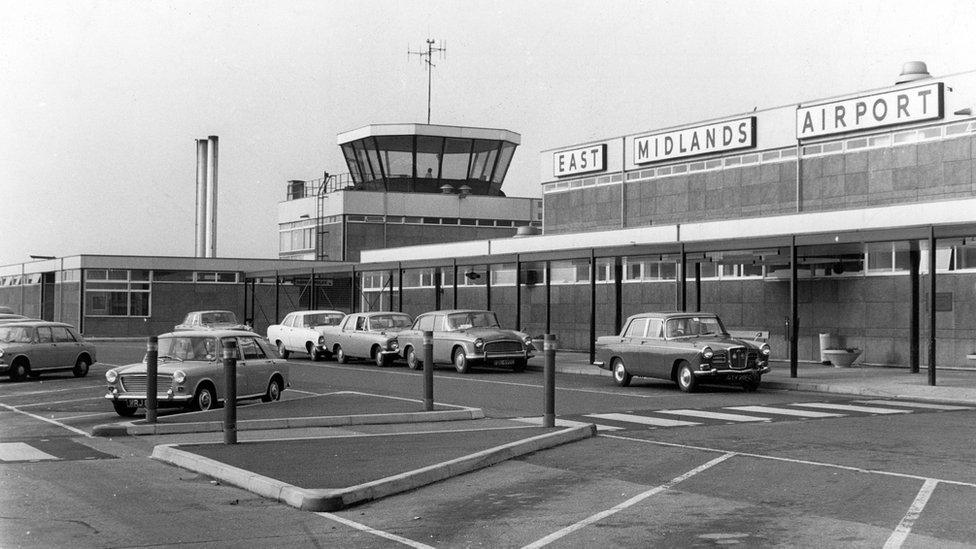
(582, 160)
(712, 138)
(871, 111)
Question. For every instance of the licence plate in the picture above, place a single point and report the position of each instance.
(741, 378)
(505, 362)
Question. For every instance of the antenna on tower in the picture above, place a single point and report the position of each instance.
(427, 58)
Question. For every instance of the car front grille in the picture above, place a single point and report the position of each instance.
(504, 347)
(741, 358)
(136, 383)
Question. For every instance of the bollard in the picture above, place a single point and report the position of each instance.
(230, 391)
(549, 373)
(428, 371)
(152, 367)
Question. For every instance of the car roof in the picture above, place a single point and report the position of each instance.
(211, 311)
(672, 314)
(36, 322)
(452, 311)
(316, 311)
(209, 333)
(376, 313)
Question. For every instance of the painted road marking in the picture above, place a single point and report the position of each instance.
(21, 451)
(629, 503)
(374, 531)
(712, 415)
(904, 528)
(922, 405)
(644, 420)
(784, 411)
(94, 398)
(850, 408)
(44, 419)
(565, 423)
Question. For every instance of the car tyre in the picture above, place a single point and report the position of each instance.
(686, 378)
(204, 399)
(620, 375)
(313, 354)
(19, 370)
(125, 408)
(460, 361)
(282, 351)
(412, 362)
(81, 367)
(380, 359)
(340, 355)
(520, 364)
(274, 391)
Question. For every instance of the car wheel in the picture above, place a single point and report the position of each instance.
(620, 375)
(412, 362)
(274, 391)
(282, 351)
(686, 378)
(125, 408)
(379, 358)
(752, 385)
(460, 361)
(340, 355)
(520, 364)
(19, 370)
(204, 399)
(81, 367)
(312, 353)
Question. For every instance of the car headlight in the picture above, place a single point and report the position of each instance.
(393, 345)
(321, 340)
(479, 343)
(707, 353)
(111, 376)
(764, 350)
(179, 376)
(1, 352)
(527, 340)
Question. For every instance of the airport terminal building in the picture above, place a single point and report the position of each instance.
(827, 216)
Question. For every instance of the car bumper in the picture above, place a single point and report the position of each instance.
(161, 398)
(491, 358)
(390, 353)
(728, 372)
(4, 368)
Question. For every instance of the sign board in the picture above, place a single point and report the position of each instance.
(712, 138)
(579, 161)
(871, 111)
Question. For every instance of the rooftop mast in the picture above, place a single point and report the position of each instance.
(426, 57)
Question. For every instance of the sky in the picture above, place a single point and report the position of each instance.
(101, 101)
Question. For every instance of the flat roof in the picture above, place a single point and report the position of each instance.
(433, 130)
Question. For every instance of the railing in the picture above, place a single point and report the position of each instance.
(315, 187)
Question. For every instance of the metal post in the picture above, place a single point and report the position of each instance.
(618, 294)
(683, 283)
(914, 259)
(428, 370)
(518, 292)
(549, 349)
(152, 367)
(230, 390)
(793, 330)
(932, 305)
(592, 305)
(548, 296)
(697, 286)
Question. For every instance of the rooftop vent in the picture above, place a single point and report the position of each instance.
(912, 71)
(527, 230)
(447, 189)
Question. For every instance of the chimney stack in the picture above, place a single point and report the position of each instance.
(206, 212)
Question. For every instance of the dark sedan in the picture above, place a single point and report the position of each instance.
(31, 347)
(687, 348)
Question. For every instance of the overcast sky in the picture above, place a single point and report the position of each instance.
(101, 101)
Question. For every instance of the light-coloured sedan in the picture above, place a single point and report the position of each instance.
(32, 347)
(466, 337)
(190, 372)
(302, 331)
(367, 335)
(211, 320)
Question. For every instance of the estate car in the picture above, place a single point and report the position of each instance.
(190, 373)
(687, 348)
(464, 338)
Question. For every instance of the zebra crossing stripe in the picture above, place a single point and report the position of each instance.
(784, 411)
(712, 415)
(851, 408)
(566, 423)
(922, 405)
(21, 451)
(644, 420)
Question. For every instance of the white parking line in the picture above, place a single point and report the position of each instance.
(850, 408)
(630, 502)
(29, 393)
(41, 418)
(904, 528)
(374, 531)
(95, 398)
(922, 405)
(539, 420)
(712, 415)
(21, 451)
(784, 411)
(644, 420)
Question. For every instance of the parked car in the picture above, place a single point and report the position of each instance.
(211, 320)
(687, 348)
(11, 317)
(465, 338)
(190, 372)
(370, 336)
(32, 347)
(301, 331)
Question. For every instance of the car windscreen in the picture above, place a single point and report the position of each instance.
(694, 326)
(188, 348)
(14, 334)
(323, 319)
(219, 317)
(476, 319)
(386, 322)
